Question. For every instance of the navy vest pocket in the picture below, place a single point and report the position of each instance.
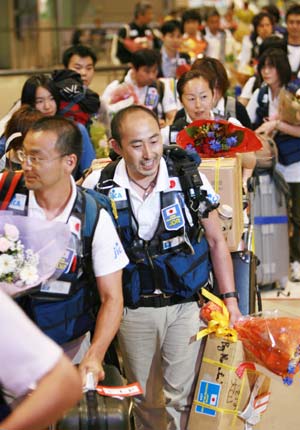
(188, 273)
(64, 320)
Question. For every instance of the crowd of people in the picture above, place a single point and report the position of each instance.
(138, 275)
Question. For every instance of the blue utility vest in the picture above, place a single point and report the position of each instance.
(174, 261)
(288, 146)
(67, 309)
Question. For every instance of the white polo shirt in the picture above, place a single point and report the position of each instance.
(168, 101)
(108, 255)
(147, 212)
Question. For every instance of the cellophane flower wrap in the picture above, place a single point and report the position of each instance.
(289, 103)
(122, 96)
(217, 138)
(30, 250)
(273, 340)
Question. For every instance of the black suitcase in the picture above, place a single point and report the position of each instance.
(96, 412)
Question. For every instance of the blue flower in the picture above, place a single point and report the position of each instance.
(210, 134)
(215, 145)
(231, 141)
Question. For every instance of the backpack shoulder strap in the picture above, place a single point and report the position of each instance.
(8, 184)
(263, 105)
(230, 108)
(160, 89)
(184, 165)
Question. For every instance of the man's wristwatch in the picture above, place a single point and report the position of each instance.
(229, 295)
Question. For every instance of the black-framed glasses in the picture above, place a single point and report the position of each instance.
(34, 160)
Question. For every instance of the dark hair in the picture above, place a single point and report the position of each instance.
(141, 8)
(69, 139)
(275, 42)
(116, 123)
(216, 70)
(145, 57)
(194, 74)
(212, 11)
(32, 84)
(278, 59)
(258, 18)
(77, 35)
(272, 10)
(191, 15)
(170, 26)
(20, 121)
(81, 51)
(294, 9)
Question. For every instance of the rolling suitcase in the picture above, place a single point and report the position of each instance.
(97, 412)
(270, 220)
(244, 269)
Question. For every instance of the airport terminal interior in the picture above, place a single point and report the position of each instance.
(33, 36)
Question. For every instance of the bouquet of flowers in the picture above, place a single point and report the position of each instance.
(29, 251)
(121, 97)
(217, 138)
(289, 103)
(274, 342)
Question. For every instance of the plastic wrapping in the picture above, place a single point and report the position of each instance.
(31, 249)
(273, 340)
(289, 106)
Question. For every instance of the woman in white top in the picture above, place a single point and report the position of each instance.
(262, 108)
(196, 91)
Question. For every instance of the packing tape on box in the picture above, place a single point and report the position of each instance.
(217, 175)
(235, 412)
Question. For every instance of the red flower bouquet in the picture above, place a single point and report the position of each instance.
(217, 138)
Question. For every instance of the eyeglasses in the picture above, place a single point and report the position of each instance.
(33, 160)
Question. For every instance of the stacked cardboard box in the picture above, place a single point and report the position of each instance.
(225, 175)
(224, 391)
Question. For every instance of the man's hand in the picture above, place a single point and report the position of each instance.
(92, 365)
(233, 309)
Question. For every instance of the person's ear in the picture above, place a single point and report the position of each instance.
(115, 146)
(71, 161)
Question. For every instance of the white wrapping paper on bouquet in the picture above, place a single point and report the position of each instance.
(30, 250)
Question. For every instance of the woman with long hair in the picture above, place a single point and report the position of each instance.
(275, 72)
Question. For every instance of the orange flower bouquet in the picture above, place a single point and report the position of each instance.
(274, 341)
(217, 138)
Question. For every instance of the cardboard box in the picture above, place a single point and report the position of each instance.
(221, 394)
(225, 175)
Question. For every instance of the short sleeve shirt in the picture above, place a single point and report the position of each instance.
(26, 354)
(108, 255)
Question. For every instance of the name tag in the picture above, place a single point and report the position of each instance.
(57, 287)
(117, 194)
(18, 202)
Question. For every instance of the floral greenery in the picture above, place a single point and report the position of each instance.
(213, 137)
(17, 265)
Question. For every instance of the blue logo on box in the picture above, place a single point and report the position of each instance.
(209, 393)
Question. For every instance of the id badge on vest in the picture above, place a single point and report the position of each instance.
(152, 98)
(68, 262)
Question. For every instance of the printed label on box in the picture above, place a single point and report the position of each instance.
(209, 393)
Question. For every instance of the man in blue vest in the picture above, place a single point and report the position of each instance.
(91, 267)
(168, 249)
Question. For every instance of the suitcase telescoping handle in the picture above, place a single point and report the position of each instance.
(90, 383)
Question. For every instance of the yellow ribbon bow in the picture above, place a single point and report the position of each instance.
(219, 322)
